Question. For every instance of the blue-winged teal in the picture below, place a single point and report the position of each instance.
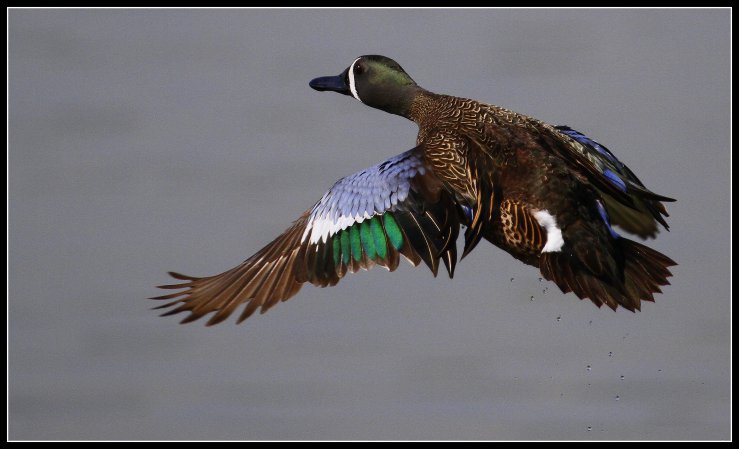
(547, 195)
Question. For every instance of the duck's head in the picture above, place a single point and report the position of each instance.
(376, 81)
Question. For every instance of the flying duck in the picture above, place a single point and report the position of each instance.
(547, 195)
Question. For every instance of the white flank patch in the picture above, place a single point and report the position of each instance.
(554, 234)
(352, 85)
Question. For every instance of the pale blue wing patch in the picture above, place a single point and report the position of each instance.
(604, 215)
(615, 179)
(614, 170)
(362, 195)
(585, 140)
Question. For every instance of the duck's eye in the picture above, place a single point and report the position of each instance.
(358, 69)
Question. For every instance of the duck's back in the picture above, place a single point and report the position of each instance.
(548, 195)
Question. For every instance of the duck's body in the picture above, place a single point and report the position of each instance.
(547, 195)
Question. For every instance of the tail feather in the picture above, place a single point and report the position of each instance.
(644, 271)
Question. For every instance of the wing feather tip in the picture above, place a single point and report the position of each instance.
(182, 277)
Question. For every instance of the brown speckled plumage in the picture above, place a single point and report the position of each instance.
(545, 194)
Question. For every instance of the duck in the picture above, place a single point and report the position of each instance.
(548, 195)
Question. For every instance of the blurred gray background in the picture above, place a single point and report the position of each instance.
(142, 141)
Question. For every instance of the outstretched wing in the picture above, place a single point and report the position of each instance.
(366, 219)
(629, 203)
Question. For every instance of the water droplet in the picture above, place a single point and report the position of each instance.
(589, 428)
(659, 370)
(540, 279)
(622, 377)
(559, 318)
(610, 354)
(532, 298)
(618, 397)
(511, 279)
(588, 367)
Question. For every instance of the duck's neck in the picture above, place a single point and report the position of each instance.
(421, 106)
